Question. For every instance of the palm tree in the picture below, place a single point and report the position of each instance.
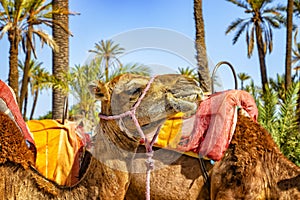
(39, 13)
(202, 60)
(279, 86)
(60, 59)
(289, 35)
(21, 20)
(133, 68)
(11, 23)
(81, 76)
(38, 79)
(41, 79)
(107, 52)
(258, 27)
(297, 8)
(190, 72)
(33, 65)
(296, 50)
(295, 61)
(243, 77)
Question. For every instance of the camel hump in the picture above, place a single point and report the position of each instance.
(9, 106)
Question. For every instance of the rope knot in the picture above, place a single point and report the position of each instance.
(149, 161)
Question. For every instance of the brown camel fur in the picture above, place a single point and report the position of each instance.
(252, 168)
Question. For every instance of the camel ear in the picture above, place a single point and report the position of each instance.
(98, 90)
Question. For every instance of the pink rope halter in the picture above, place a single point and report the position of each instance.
(148, 145)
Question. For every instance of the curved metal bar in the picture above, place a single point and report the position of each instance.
(65, 110)
(214, 72)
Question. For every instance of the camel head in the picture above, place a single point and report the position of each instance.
(168, 95)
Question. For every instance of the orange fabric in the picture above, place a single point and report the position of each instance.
(172, 131)
(57, 148)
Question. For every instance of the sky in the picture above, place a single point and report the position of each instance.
(160, 34)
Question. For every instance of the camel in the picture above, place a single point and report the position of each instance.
(252, 168)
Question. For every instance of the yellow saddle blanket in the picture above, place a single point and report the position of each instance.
(57, 148)
(172, 132)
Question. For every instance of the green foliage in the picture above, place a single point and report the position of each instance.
(290, 136)
(277, 113)
(48, 115)
(78, 81)
(268, 112)
(104, 66)
(243, 77)
(133, 68)
(190, 72)
(253, 90)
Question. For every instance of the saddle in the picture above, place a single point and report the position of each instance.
(57, 148)
(208, 132)
(60, 148)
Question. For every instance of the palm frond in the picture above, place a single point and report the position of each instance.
(288, 118)
(289, 141)
(241, 4)
(274, 22)
(250, 43)
(233, 25)
(5, 29)
(134, 68)
(241, 29)
(190, 72)
(267, 109)
(46, 38)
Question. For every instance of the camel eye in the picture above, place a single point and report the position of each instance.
(134, 92)
(99, 95)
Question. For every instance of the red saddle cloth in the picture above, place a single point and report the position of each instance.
(8, 105)
(58, 148)
(215, 122)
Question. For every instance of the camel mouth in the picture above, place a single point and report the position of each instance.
(189, 98)
(185, 101)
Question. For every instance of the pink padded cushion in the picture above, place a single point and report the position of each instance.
(215, 122)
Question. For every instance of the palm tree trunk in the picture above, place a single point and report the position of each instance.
(25, 105)
(24, 87)
(298, 110)
(36, 94)
(289, 35)
(60, 62)
(202, 61)
(13, 76)
(261, 55)
(106, 69)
